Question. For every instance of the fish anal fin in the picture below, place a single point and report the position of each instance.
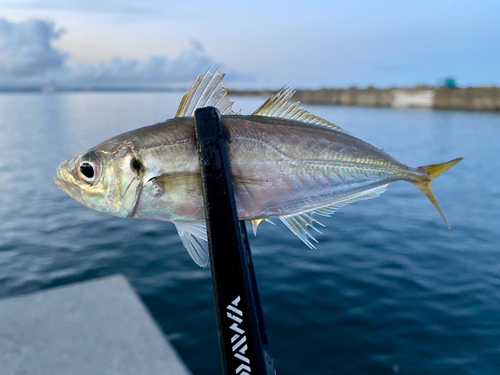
(278, 106)
(329, 209)
(298, 223)
(194, 238)
(206, 91)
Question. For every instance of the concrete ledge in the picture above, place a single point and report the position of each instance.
(95, 327)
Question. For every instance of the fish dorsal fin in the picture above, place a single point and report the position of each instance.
(299, 222)
(194, 238)
(277, 106)
(206, 91)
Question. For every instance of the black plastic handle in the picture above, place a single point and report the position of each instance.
(242, 336)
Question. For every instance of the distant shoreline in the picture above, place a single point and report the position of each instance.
(471, 98)
(50, 89)
(480, 98)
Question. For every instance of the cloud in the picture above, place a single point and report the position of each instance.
(28, 57)
(154, 71)
(26, 48)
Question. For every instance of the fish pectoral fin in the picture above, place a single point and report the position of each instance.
(299, 222)
(194, 238)
(277, 106)
(206, 91)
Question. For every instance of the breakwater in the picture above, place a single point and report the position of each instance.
(470, 98)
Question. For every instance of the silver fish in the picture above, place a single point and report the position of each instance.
(285, 162)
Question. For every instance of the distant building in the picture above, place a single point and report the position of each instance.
(450, 83)
(413, 98)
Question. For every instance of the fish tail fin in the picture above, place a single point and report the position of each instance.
(433, 171)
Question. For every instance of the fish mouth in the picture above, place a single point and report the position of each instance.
(60, 183)
(63, 182)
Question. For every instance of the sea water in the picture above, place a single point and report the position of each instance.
(388, 290)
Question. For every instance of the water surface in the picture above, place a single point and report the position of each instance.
(388, 289)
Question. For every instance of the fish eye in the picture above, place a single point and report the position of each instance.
(88, 169)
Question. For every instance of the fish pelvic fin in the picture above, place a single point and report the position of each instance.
(433, 171)
(194, 238)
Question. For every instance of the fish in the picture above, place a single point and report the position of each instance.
(285, 162)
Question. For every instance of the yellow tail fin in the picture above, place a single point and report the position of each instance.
(433, 171)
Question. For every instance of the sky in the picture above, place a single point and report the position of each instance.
(259, 44)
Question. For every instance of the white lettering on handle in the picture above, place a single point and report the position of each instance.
(236, 315)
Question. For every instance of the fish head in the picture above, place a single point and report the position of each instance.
(106, 178)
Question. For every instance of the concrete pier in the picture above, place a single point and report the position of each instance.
(96, 327)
